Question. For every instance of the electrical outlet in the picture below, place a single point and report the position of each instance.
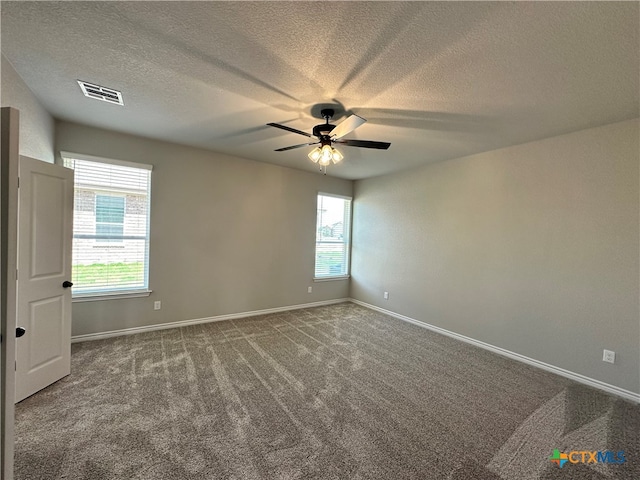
(309, 289)
(386, 295)
(609, 356)
(157, 305)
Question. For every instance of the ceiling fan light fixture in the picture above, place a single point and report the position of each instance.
(315, 154)
(326, 155)
(337, 156)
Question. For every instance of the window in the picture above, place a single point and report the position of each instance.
(333, 226)
(110, 226)
(110, 217)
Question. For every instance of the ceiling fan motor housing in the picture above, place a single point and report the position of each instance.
(323, 130)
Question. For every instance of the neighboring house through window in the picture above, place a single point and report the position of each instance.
(109, 217)
(333, 226)
(110, 226)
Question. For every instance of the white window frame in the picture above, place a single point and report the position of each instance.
(115, 293)
(346, 235)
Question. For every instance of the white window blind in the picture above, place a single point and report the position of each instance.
(110, 226)
(333, 227)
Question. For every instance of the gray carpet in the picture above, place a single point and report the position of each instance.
(330, 392)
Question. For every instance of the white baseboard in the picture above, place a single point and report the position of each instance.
(621, 392)
(196, 321)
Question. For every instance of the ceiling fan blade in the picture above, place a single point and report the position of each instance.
(284, 149)
(348, 125)
(289, 129)
(364, 144)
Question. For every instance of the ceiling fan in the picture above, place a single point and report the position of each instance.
(327, 135)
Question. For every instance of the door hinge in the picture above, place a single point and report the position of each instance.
(16, 274)
(15, 366)
(18, 182)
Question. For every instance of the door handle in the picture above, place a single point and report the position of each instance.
(67, 284)
(20, 331)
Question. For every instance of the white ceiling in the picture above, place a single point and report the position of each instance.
(438, 80)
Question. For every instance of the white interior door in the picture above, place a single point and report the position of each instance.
(45, 222)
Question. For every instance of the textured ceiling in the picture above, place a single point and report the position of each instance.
(438, 80)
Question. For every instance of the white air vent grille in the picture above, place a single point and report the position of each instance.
(92, 90)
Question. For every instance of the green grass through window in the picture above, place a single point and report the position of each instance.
(113, 274)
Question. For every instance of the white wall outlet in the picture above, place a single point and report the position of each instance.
(609, 356)
(309, 289)
(157, 305)
(386, 295)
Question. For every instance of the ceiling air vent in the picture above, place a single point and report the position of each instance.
(92, 90)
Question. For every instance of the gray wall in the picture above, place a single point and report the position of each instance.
(532, 248)
(228, 235)
(36, 125)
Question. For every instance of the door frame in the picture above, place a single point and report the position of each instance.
(9, 159)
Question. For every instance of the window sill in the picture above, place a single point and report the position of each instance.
(330, 279)
(94, 297)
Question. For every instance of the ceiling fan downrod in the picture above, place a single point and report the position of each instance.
(322, 131)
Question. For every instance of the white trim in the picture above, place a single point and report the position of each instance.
(335, 195)
(95, 297)
(112, 161)
(196, 321)
(621, 392)
(329, 279)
